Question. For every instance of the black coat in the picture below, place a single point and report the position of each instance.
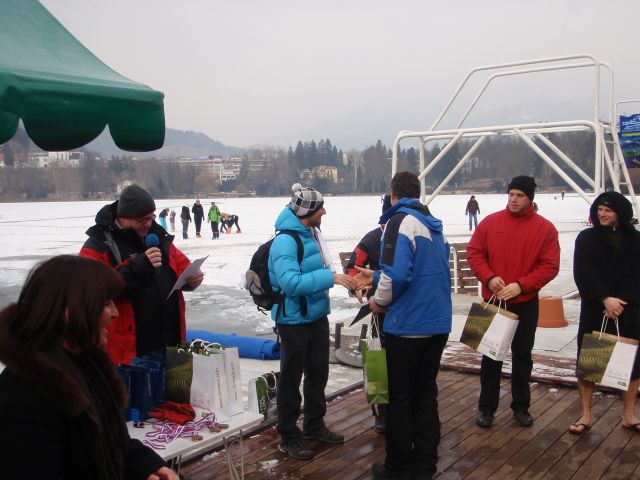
(159, 321)
(50, 428)
(198, 212)
(600, 270)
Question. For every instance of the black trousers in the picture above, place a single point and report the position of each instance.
(521, 363)
(214, 230)
(198, 223)
(304, 349)
(413, 424)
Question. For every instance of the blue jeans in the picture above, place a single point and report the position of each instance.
(473, 218)
(185, 227)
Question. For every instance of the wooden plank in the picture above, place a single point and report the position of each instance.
(627, 462)
(469, 445)
(505, 451)
(586, 445)
(546, 463)
(512, 459)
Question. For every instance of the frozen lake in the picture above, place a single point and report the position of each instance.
(32, 232)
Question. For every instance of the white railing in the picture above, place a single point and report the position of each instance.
(604, 130)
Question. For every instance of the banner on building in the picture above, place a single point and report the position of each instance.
(629, 137)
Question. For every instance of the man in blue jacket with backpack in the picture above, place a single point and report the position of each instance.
(301, 318)
(413, 287)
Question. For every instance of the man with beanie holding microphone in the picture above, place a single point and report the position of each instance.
(302, 321)
(127, 237)
(513, 253)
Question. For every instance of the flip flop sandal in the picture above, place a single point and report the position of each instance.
(579, 425)
(633, 427)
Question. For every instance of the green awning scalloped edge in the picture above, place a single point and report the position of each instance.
(65, 95)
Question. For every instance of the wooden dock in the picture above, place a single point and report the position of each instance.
(505, 451)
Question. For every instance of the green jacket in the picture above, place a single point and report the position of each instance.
(214, 214)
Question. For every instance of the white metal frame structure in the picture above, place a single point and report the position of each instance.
(608, 161)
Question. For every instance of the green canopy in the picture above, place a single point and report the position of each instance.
(65, 95)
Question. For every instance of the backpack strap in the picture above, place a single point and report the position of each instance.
(303, 300)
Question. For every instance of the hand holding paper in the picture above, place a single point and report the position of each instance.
(192, 276)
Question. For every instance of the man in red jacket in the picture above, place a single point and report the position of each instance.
(149, 319)
(514, 253)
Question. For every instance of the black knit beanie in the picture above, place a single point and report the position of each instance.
(525, 184)
(135, 202)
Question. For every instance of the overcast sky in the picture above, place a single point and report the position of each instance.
(272, 72)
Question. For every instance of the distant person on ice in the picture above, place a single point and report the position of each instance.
(214, 218)
(198, 216)
(172, 220)
(473, 210)
(163, 217)
(185, 218)
(148, 321)
(227, 221)
(302, 321)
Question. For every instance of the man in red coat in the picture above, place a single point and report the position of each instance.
(514, 253)
(150, 319)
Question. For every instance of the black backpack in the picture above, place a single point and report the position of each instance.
(257, 277)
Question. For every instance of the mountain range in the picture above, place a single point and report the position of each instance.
(177, 143)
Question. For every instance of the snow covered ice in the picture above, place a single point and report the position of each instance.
(32, 232)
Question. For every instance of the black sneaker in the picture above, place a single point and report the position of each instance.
(484, 419)
(325, 435)
(523, 417)
(380, 471)
(296, 450)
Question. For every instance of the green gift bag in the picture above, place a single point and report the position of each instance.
(262, 394)
(179, 374)
(376, 380)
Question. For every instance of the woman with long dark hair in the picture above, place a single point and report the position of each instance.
(60, 395)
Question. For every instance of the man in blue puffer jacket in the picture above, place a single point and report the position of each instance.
(414, 289)
(302, 321)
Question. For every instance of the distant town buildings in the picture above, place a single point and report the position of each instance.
(44, 159)
(223, 170)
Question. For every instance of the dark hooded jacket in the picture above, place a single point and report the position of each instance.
(147, 320)
(61, 417)
(606, 263)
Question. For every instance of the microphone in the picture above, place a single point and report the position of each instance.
(152, 240)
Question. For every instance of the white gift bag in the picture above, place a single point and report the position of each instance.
(208, 383)
(233, 378)
(496, 341)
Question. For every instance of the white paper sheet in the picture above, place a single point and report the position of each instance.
(191, 270)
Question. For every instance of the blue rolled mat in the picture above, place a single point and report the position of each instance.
(248, 347)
